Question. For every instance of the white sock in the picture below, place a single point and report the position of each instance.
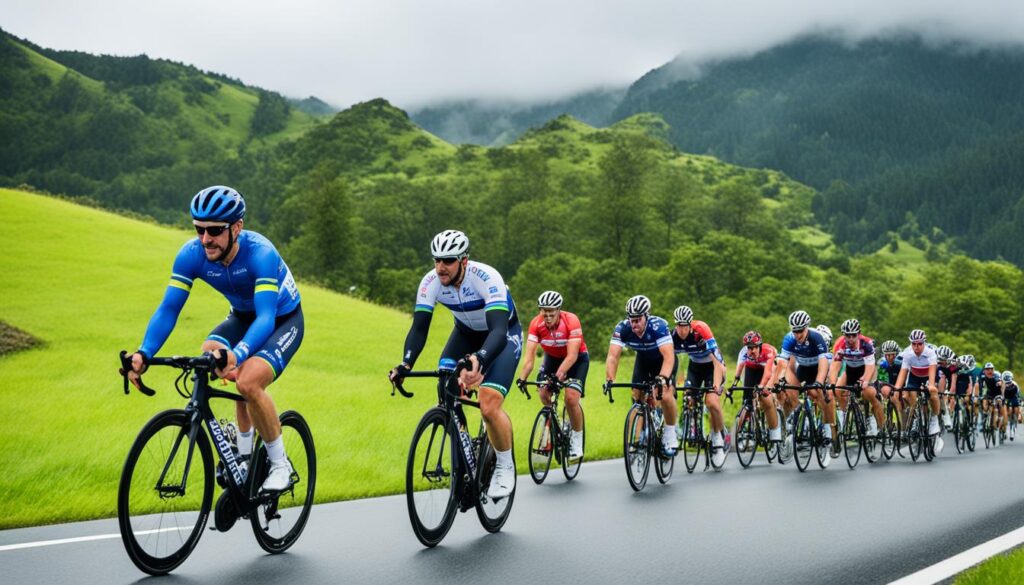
(577, 434)
(275, 451)
(504, 458)
(245, 442)
(827, 429)
(669, 434)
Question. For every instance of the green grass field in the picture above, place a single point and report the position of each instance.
(999, 570)
(85, 282)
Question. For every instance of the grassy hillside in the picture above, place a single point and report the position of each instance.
(86, 282)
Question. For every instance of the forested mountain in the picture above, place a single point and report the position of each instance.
(130, 132)
(497, 124)
(919, 136)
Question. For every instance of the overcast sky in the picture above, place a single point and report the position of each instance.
(414, 52)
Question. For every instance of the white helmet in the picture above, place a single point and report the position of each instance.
(637, 306)
(683, 315)
(826, 333)
(449, 244)
(917, 335)
(799, 320)
(549, 300)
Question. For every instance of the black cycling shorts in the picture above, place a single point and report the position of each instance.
(648, 365)
(498, 374)
(700, 374)
(576, 377)
(279, 348)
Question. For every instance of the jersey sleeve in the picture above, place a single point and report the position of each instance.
(661, 332)
(788, 343)
(572, 323)
(619, 333)
(742, 357)
(491, 288)
(869, 351)
(769, 353)
(264, 264)
(162, 322)
(704, 331)
(426, 296)
(533, 332)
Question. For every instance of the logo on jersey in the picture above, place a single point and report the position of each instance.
(213, 274)
(241, 270)
(493, 290)
(466, 291)
(483, 276)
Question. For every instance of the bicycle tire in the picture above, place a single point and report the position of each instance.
(663, 466)
(822, 452)
(971, 420)
(637, 446)
(872, 445)
(959, 438)
(492, 513)
(135, 519)
(542, 446)
(693, 438)
(784, 448)
(770, 448)
(432, 511)
(914, 440)
(571, 468)
(803, 438)
(852, 436)
(286, 515)
(745, 437)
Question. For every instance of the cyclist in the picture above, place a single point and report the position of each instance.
(1011, 395)
(967, 378)
(486, 328)
(756, 362)
(858, 353)
(560, 335)
(917, 372)
(650, 338)
(889, 370)
(948, 371)
(804, 360)
(991, 383)
(261, 333)
(706, 368)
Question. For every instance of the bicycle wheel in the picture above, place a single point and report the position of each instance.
(927, 440)
(784, 448)
(823, 452)
(278, 521)
(541, 446)
(971, 427)
(492, 512)
(915, 434)
(571, 468)
(693, 438)
(745, 437)
(432, 477)
(891, 431)
(803, 438)
(161, 511)
(853, 428)
(959, 438)
(637, 446)
(663, 466)
(872, 445)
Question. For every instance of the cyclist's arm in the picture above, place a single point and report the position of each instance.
(166, 315)
(902, 377)
(572, 353)
(529, 354)
(265, 295)
(822, 368)
(782, 365)
(497, 336)
(833, 368)
(740, 360)
(611, 363)
(931, 375)
(668, 359)
(869, 372)
(769, 369)
(719, 363)
(417, 337)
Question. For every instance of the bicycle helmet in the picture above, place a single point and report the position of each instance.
(1007, 376)
(826, 333)
(752, 338)
(799, 320)
(890, 346)
(850, 326)
(218, 203)
(917, 335)
(549, 300)
(944, 353)
(989, 366)
(683, 315)
(637, 306)
(449, 244)
(966, 362)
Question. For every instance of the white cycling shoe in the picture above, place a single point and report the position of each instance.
(279, 478)
(502, 482)
(576, 445)
(933, 425)
(872, 430)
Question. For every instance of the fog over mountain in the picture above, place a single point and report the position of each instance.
(422, 53)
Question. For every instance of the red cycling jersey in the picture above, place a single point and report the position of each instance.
(555, 341)
(767, 356)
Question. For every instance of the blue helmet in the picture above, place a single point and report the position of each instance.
(218, 203)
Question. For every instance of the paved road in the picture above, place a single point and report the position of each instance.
(766, 524)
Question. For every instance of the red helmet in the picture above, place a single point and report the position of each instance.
(752, 338)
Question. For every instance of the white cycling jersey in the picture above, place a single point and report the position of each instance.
(482, 290)
(918, 364)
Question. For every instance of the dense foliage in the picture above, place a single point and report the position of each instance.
(919, 135)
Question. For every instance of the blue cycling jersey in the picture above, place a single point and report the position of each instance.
(806, 353)
(257, 281)
(889, 371)
(655, 335)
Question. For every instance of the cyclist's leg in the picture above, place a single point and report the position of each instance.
(224, 336)
(753, 378)
(576, 379)
(548, 365)
(263, 368)
(497, 379)
(702, 374)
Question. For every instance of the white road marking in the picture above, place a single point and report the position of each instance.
(82, 539)
(963, 561)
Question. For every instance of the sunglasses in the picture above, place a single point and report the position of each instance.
(851, 335)
(446, 261)
(213, 230)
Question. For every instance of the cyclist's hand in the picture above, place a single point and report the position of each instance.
(228, 372)
(472, 377)
(139, 367)
(560, 374)
(398, 373)
(661, 381)
(608, 386)
(521, 384)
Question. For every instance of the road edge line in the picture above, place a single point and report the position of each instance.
(963, 561)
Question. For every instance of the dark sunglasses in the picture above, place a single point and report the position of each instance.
(446, 261)
(213, 230)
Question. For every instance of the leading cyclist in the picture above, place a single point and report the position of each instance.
(263, 330)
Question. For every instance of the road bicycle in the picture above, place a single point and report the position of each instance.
(853, 433)
(964, 420)
(641, 437)
(807, 433)
(750, 431)
(990, 429)
(449, 469)
(695, 442)
(551, 434)
(165, 495)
